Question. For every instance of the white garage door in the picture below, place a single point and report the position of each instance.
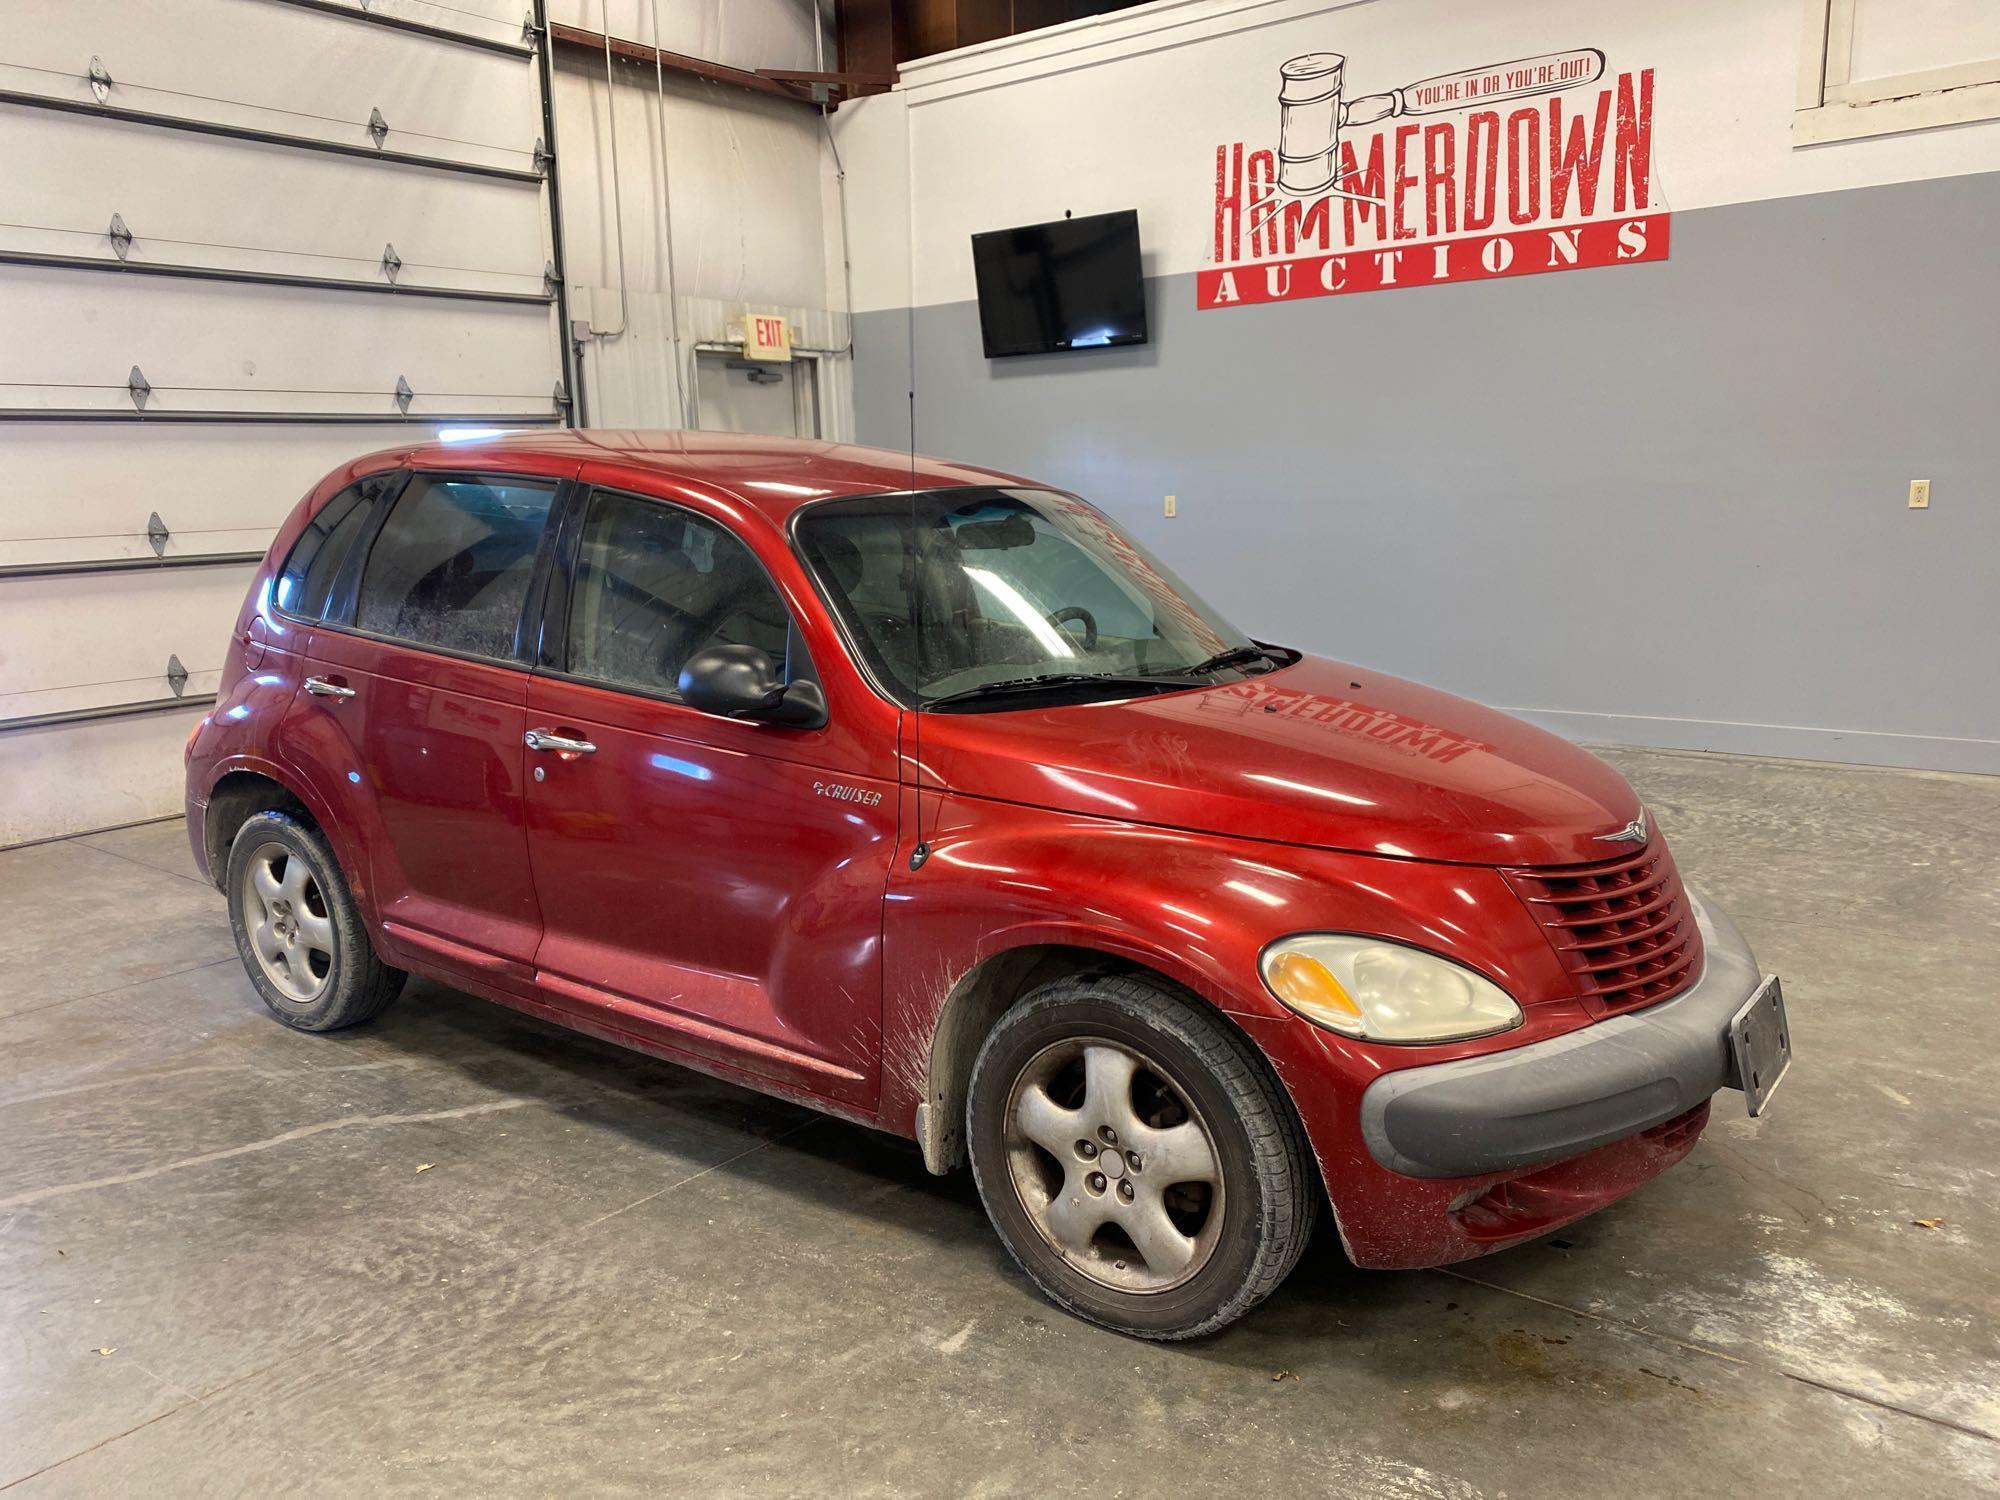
(240, 242)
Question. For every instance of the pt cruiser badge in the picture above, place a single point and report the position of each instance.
(841, 793)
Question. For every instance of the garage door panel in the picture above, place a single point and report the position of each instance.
(490, 20)
(76, 491)
(206, 346)
(213, 201)
(265, 66)
(99, 775)
(233, 142)
(82, 642)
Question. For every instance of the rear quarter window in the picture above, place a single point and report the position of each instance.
(308, 573)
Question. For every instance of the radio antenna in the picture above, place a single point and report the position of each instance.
(922, 850)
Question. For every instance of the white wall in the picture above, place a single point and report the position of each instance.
(1126, 110)
(1657, 503)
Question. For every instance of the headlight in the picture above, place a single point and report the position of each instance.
(1384, 991)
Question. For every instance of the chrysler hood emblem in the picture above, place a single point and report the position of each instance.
(1633, 832)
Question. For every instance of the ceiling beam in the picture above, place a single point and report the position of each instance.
(576, 39)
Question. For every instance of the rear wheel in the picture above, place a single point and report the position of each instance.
(298, 929)
(1137, 1157)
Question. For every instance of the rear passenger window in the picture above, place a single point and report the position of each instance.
(452, 564)
(323, 547)
(654, 585)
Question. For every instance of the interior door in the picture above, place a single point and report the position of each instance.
(713, 886)
(414, 709)
(769, 396)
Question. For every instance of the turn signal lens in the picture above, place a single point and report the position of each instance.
(1308, 987)
(1383, 991)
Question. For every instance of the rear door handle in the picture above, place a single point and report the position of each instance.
(319, 687)
(542, 739)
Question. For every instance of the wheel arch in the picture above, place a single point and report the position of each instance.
(985, 992)
(247, 788)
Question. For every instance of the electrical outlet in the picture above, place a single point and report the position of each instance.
(1173, 509)
(1920, 494)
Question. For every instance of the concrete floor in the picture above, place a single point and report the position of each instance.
(460, 1251)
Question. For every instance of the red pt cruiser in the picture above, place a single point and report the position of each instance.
(925, 796)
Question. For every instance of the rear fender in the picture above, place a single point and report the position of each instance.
(353, 866)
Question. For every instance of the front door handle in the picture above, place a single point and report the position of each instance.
(542, 739)
(319, 687)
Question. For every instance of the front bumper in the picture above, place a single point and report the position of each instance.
(1572, 1094)
(1534, 1136)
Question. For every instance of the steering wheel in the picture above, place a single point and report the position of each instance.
(1077, 612)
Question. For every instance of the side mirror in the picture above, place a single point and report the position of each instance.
(745, 683)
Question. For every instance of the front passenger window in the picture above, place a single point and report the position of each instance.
(453, 562)
(654, 585)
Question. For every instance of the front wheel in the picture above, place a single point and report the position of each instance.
(298, 929)
(1137, 1157)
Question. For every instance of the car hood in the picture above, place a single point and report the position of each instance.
(1316, 753)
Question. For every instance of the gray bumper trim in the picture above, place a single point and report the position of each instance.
(1568, 1095)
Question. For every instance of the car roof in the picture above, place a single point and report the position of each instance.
(772, 474)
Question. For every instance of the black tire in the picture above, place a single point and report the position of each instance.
(353, 985)
(1268, 1191)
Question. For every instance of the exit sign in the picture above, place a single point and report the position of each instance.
(766, 336)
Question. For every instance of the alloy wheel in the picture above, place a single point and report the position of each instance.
(291, 930)
(1116, 1169)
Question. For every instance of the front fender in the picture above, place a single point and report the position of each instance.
(1195, 908)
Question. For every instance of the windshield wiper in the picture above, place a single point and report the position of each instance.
(1235, 656)
(1010, 686)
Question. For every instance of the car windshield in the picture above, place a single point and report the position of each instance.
(979, 594)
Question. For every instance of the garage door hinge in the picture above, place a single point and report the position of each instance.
(543, 158)
(100, 79)
(121, 237)
(157, 534)
(562, 399)
(404, 395)
(378, 128)
(530, 37)
(550, 286)
(391, 261)
(177, 675)
(140, 387)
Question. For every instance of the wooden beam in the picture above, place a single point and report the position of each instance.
(874, 35)
(579, 40)
(839, 80)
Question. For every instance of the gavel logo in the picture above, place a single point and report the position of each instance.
(1313, 112)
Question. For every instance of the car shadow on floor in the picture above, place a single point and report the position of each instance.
(830, 1165)
(501, 1049)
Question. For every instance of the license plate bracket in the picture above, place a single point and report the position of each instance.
(1760, 1045)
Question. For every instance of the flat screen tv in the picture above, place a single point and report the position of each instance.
(1068, 284)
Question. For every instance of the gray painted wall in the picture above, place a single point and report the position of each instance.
(1649, 504)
